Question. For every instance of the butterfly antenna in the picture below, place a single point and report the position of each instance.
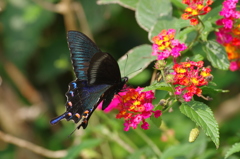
(134, 71)
(125, 65)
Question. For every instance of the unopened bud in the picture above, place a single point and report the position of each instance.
(170, 78)
(193, 134)
(209, 78)
(160, 64)
(163, 102)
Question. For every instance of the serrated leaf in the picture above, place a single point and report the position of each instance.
(235, 148)
(75, 150)
(158, 86)
(216, 55)
(149, 11)
(138, 58)
(202, 115)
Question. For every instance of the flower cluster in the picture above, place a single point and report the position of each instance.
(135, 107)
(164, 45)
(195, 8)
(229, 34)
(190, 76)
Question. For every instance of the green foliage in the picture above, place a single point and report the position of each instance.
(74, 151)
(148, 12)
(202, 115)
(158, 86)
(216, 55)
(235, 148)
(193, 150)
(33, 39)
(135, 59)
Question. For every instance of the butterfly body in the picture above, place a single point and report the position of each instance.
(98, 80)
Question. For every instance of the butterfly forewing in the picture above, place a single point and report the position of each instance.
(103, 69)
(82, 50)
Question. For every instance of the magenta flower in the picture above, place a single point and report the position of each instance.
(164, 45)
(134, 107)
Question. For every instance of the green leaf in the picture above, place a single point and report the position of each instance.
(235, 148)
(138, 58)
(213, 15)
(216, 55)
(157, 121)
(179, 4)
(210, 90)
(197, 58)
(187, 34)
(130, 4)
(107, 1)
(167, 23)
(158, 86)
(74, 151)
(149, 11)
(207, 29)
(202, 115)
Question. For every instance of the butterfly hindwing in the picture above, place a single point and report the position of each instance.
(82, 100)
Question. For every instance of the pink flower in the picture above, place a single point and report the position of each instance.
(189, 76)
(157, 113)
(178, 90)
(134, 107)
(228, 35)
(233, 66)
(187, 96)
(164, 45)
(145, 126)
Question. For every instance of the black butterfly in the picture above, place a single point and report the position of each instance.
(98, 79)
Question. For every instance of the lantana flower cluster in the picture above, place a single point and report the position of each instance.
(135, 107)
(195, 8)
(164, 45)
(229, 34)
(190, 76)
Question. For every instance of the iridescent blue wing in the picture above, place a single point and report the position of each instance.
(82, 50)
(82, 100)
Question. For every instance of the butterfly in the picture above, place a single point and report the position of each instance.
(98, 80)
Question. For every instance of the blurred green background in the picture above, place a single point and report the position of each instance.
(35, 70)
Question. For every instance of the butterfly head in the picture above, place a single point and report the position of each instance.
(124, 79)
